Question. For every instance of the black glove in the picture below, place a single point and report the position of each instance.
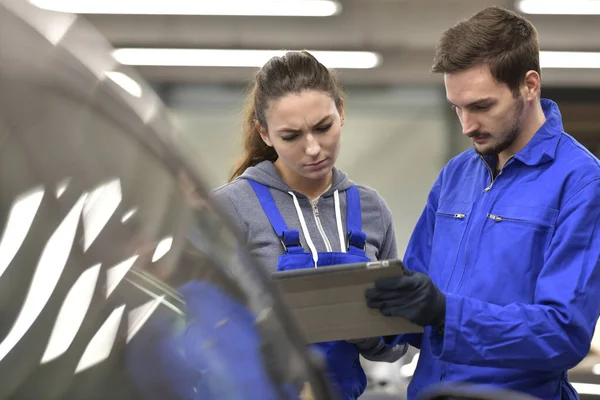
(412, 296)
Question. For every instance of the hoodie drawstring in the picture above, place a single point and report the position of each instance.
(338, 218)
(309, 241)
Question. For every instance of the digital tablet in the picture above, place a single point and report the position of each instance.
(329, 302)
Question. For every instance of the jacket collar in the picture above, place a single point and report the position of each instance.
(542, 146)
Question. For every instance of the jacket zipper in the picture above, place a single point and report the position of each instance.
(457, 215)
(487, 189)
(319, 226)
(499, 218)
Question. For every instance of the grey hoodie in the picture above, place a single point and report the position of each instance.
(238, 200)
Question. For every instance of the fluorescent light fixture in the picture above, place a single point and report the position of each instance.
(279, 8)
(587, 388)
(560, 7)
(236, 58)
(569, 59)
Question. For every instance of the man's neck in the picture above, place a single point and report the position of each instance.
(532, 123)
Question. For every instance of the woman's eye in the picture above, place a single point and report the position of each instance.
(324, 128)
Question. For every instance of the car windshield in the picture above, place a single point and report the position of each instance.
(118, 277)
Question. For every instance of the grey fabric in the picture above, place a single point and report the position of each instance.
(239, 202)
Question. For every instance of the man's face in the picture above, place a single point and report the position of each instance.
(488, 111)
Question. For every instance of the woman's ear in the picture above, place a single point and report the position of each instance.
(342, 113)
(263, 134)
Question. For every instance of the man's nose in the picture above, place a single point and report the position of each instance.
(468, 122)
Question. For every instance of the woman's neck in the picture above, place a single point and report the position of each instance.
(311, 188)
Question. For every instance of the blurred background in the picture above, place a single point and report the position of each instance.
(399, 132)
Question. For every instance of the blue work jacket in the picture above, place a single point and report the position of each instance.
(518, 259)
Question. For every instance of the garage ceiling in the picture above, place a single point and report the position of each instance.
(404, 32)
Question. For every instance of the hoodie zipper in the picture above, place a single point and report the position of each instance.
(315, 208)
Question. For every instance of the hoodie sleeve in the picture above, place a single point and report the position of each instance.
(222, 199)
(375, 349)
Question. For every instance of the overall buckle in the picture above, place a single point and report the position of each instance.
(285, 247)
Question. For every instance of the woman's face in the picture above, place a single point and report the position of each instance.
(304, 129)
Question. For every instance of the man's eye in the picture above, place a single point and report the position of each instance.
(482, 107)
(289, 138)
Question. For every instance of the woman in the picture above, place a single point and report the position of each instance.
(285, 194)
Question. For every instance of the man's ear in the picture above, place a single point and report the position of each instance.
(263, 134)
(533, 85)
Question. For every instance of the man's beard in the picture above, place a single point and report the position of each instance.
(508, 137)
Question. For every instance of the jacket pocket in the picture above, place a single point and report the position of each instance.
(515, 242)
(450, 227)
(542, 217)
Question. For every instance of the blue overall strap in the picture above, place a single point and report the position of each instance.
(356, 236)
(289, 238)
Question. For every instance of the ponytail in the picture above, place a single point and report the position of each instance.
(255, 149)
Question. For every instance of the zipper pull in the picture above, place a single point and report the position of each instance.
(459, 216)
(495, 217)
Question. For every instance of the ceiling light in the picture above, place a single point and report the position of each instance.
(572, 7)
(236, 58)
(293, 8)
(569, 59)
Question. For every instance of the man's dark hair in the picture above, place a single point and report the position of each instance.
(501, 39)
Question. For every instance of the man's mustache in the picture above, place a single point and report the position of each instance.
(478, 135)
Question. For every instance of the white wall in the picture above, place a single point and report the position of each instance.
(394, 140)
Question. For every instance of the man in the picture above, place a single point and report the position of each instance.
(504, 260)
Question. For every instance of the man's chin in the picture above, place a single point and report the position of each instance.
(485, 150)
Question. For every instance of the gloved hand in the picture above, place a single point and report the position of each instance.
(412, 296)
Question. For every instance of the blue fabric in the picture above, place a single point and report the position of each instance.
(342, 358)
(519, 264)
(213, 353)
(353, 210)
(268, 203)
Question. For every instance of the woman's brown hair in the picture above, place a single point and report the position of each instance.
(293, 72)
